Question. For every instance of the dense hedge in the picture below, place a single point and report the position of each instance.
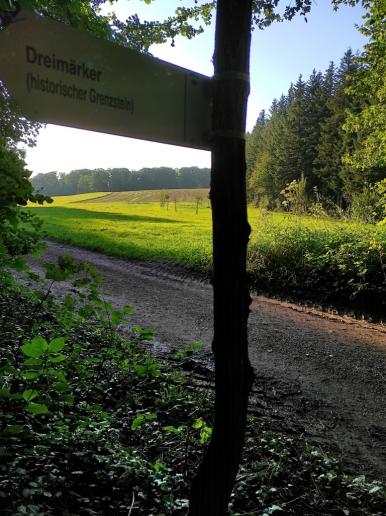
(339, 264)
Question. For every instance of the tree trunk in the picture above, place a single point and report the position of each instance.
(211, 488)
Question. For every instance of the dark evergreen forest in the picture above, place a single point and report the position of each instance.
(306, 137)
(120, 180)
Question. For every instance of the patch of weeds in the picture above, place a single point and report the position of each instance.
(282, 475)
(92, 424)
(84, 417)
(339, 264)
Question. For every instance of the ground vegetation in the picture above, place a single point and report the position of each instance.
(92, 423)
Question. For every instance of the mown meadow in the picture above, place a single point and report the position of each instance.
(341, 263)
(143, 230)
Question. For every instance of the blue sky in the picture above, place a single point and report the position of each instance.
(278, 55)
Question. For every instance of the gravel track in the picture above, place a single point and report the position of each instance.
(318, 375)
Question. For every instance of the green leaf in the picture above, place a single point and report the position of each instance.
(87, 311)
(33, 362)
(143, 333)
(34, 277)
(5, 393)
(6, 370)
(19, 264)
(60, 386)
(196, 345)
(127, 310)
(174, 429)
(189, 350)
(68, 399)
(116, 317)
(137, 422)
(205, 434)
(81, 282)
(37, 409)
(14, 429)
(59, 375)
(140, 369)
(56, 344)
(57, 359)
(55, 273)
(140, 418)
(30, 375)
(198, 424)
(35, 348)
(69, 302)
(30, 394)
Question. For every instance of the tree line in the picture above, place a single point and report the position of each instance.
(313, 139)
(120, 179)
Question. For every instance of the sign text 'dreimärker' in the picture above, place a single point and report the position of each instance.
(60, 75)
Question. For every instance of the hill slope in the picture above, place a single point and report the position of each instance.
(144, 196)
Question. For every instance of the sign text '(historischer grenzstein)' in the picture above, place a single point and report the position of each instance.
(37, 81)
(60, 75)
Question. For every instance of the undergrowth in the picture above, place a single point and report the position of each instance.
(341, 264)
(93, 424)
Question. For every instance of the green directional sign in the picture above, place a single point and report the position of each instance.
(61, 75)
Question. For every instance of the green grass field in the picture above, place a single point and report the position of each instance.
(322, 259)
(132, 224)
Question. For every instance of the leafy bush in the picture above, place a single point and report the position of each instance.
(15, 190)
(339, 264)
(367, 206)
(19, 230)
(295, 196)
(89, 408)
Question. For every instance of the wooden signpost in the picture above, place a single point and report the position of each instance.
(63, 76)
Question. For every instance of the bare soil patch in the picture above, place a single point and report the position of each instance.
(317, 375)
(143, 196)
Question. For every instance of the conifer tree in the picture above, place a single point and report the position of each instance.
(254, 140)
(366, 118)
(266, 179)
(329, 168)
(315, 113)
(295, 135)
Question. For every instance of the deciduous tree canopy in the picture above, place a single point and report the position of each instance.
(120, 179)
(366, 120)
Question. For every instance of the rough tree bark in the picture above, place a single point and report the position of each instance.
(212, 486)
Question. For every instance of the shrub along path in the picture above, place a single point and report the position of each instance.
(318, 375)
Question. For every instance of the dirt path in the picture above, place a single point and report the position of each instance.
(322, 376)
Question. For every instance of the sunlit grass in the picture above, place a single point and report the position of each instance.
(148, 230)
(65, 200)
(325, 259)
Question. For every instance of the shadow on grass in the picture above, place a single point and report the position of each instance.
(75, 213)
